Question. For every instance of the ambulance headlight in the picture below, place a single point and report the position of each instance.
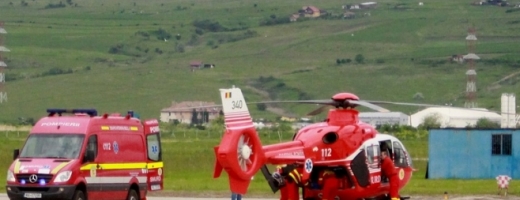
(10, 176)
(63, 176)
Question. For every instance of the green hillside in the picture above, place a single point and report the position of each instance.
(120, 55)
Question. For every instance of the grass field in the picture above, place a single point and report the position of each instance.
(116, 67)
(189, 166)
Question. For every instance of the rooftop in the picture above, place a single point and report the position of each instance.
(190, 105)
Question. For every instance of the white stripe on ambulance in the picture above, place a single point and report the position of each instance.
(116, 179)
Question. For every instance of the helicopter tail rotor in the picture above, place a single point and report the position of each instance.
(240, 152)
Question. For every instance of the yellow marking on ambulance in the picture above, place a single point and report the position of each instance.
(155, 165)
(59, 167)
(119, 128)
(141, 165)
(16, 166)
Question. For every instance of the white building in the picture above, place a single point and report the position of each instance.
(508, 110)
(454, 117)
(183, 111)
(380, 118)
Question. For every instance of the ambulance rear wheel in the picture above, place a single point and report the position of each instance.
(132, 195)
(79, 195)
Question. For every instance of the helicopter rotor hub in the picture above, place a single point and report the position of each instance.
(245, 151)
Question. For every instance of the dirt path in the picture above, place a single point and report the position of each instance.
(269, 107)
(496, 84)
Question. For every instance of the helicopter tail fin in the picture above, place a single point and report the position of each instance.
(240, 152)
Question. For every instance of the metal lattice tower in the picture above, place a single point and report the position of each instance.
(471, 74)
(3, 93)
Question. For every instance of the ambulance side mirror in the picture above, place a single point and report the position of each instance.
(16, 153)
(91, 156)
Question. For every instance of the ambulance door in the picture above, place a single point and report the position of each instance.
(154, 151)
(90, 168)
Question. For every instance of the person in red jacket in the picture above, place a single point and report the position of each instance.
(289, 181)
(388, 170)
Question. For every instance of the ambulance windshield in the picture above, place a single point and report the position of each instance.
(66, 146)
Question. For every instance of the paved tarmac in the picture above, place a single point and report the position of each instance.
(469, 197)
(4, 197)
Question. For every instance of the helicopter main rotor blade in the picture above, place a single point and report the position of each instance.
(369, 105)
(317, 111)
(194, 107)
(326, 102)
(407, 104)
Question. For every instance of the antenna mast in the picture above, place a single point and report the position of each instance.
(471, 74)
(3, 93)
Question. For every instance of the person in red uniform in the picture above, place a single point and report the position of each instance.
(388, 170)
(329, 184)
(289, 181)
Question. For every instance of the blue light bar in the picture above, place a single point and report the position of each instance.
(60, 111)
(131, 113)
(42, 182)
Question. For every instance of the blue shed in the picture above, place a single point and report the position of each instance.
(473, 154)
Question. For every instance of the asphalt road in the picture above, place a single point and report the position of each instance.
(4, 197)
(485, 197)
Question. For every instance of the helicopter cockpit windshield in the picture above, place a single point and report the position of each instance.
(401, 157)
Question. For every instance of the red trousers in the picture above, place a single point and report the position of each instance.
(394, 186)
(290, 191)
(330, 187)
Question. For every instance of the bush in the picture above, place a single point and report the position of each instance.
(209, 25)
(58, 5)
(269, 21)
(485, 123)
(199, 31)
(161, 34)
(431, 121)
(360, 58)
(261, 106)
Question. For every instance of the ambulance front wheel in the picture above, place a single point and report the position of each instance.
(79, 195)
(132, 195)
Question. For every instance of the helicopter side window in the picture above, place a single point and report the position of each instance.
(373, 156)
(399, 155)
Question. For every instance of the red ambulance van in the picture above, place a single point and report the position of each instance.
(76, 154)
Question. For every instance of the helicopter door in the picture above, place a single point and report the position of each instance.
(387, 144)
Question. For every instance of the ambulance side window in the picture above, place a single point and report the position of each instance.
(92, 145)
(154, 147)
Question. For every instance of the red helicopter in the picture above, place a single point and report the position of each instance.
(341, 143)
